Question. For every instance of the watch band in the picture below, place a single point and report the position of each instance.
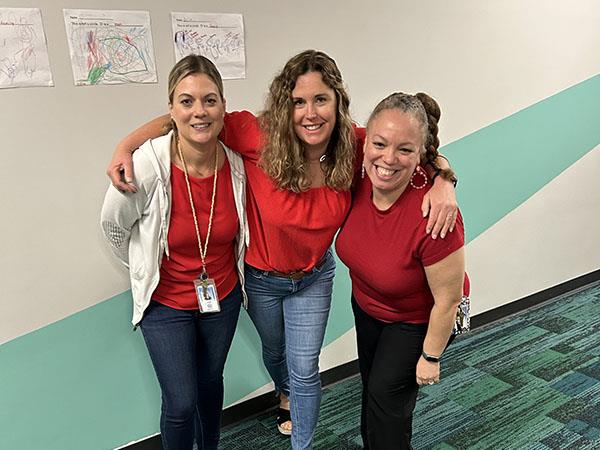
(430, 358)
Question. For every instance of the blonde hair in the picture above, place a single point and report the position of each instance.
(283, 156)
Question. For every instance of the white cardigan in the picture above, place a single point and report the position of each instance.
(136, 225)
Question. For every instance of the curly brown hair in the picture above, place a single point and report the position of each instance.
(283, 156)
(427, 112)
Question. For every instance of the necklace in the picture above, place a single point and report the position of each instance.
(203, 275)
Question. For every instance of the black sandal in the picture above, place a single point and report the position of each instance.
(283, 415)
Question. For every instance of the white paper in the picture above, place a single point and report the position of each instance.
(219, 37)
(23, 51)
(110, 47)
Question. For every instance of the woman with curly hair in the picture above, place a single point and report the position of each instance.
(300, 158)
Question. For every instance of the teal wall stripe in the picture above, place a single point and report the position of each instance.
(86, 381)
(81, 383)
(502, 165)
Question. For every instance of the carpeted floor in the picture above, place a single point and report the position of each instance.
(530, 381)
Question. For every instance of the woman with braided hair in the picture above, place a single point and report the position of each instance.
(406, 287)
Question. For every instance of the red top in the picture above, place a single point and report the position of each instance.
(386, 252)
(288, 231)
(178, 272)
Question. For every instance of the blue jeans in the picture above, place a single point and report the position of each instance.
(188, 350)
(290, 317)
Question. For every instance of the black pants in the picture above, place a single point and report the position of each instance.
(387, 357)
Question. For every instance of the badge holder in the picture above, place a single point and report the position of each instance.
(206, 293)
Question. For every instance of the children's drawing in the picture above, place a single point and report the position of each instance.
(110, 47)
(23, 52)
(219, 37)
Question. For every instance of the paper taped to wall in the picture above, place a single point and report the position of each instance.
(23, 51)
(110, 47)
(219, 37)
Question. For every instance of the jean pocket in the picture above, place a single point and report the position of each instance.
(254, 273)
(329, 263)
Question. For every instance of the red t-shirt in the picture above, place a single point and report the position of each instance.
(178, 272)
(386, 252)
(288, 231)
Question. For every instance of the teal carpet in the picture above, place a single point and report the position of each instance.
(530, 381)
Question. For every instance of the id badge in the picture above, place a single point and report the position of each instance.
(206, 292)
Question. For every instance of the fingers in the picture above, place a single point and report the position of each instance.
(128, 171)
(449, 224)
(427, 372)
(130, 187)
(425, 205)
(118, 178)
(444, 222)
(436, 222)
(432, 211)
(427, 381)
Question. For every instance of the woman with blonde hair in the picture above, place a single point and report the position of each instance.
(182, 235)
(300, 162)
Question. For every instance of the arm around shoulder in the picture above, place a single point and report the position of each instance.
(120, 168)
(440, 202)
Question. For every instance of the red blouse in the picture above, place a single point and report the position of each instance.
(288, 231)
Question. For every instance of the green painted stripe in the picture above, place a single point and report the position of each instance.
(81, 383)
(502, 165)
(86, 381)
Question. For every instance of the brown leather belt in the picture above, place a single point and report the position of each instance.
(298, 274)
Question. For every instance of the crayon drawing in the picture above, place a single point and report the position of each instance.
(23, 52)
(110, 47)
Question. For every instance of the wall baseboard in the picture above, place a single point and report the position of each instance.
(534, 299)
(264, 402)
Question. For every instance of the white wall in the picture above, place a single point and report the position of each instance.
(481, 60)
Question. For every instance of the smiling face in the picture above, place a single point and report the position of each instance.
(315, 111)
(392, 152)
(197, 110)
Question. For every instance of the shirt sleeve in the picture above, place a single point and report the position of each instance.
(242, 134)
(120, 212)
(431, 251)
